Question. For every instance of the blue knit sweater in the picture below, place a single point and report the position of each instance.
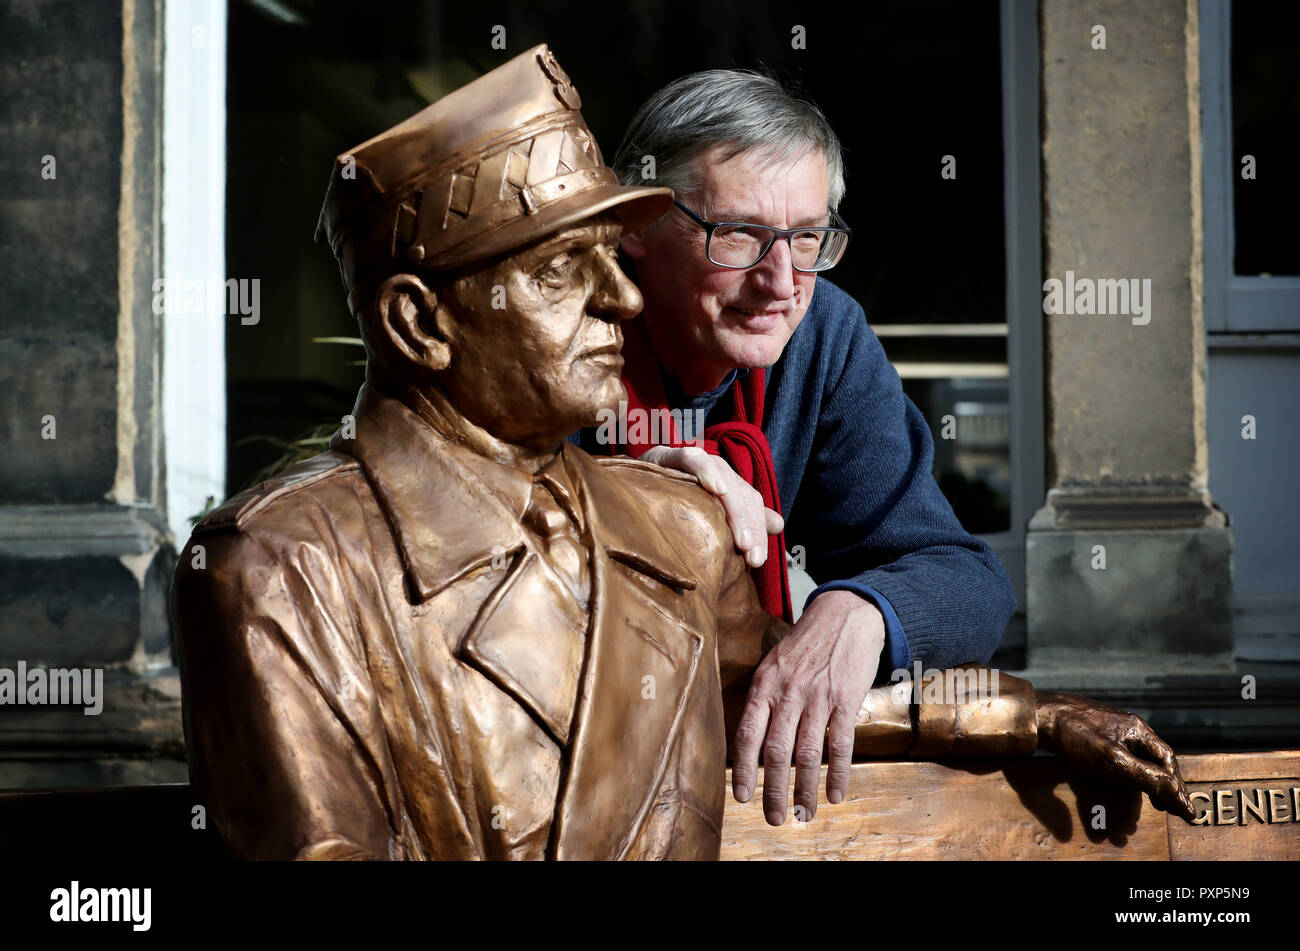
(853, 457)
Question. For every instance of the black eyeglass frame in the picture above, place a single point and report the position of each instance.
(839, 226)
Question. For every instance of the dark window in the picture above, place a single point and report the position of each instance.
(1266, 128)
(903, 88)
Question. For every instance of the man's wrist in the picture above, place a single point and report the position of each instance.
(894, 653)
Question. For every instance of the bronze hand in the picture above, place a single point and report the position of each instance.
(1109, 742)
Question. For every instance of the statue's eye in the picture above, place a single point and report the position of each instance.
(556, 271)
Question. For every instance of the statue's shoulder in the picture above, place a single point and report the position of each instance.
(625, 468)
(239, 512)
(665, 491)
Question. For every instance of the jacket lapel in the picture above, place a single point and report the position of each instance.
(631, 661)
(528, 634)
(447, 522)
(641, 662)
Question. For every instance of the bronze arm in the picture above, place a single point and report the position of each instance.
(987, 713)
(975, 712)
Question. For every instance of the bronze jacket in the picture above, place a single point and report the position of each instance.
(379, 662)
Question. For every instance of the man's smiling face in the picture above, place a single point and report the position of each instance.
(707, 320)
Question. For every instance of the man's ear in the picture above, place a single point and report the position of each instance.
(407, 315)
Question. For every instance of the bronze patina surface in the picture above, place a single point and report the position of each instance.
(454, 636)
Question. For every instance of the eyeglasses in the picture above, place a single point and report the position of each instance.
(740, 244)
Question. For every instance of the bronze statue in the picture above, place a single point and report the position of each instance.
(454, 636)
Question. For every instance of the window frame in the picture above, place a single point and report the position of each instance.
(1022, 225)
(1233, 303)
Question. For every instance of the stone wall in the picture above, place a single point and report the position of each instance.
(85, 560)
(1129, 560)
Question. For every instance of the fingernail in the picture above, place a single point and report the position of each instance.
(775, 817)
(835, 796)
(743, 538)
(743, 793)
(755, 557)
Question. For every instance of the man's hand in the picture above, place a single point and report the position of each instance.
(751, 522)
(820, 673)
(1108, 741)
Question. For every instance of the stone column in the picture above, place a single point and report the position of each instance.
(85, 558)
(1129, 560)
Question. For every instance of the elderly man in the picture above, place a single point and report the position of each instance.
(797, 395)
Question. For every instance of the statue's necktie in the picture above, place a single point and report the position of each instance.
(561, 541)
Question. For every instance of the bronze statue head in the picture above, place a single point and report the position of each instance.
(477, 241)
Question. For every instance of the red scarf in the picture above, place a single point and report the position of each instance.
(739, 441)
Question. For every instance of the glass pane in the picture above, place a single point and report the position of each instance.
(1266, 137)
(971, 422)
(923, 154)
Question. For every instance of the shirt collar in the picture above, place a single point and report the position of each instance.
(451, 509)
(556, 476)
(512, 486)
(678, 398)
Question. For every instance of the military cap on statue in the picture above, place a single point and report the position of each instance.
(498, 163)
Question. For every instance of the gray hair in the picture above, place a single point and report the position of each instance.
(737, 108)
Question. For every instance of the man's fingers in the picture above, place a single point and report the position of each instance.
(744, 507)
(808, 760)
(747, 517)
(777, 753)
(839, 742)
(744, 515)
(715, 475)
(748, 740)
(690, 459)
(775, 524)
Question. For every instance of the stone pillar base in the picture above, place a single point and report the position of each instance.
(86, 587)
(1129, 579)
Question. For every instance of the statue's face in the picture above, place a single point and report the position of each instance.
(534, 337)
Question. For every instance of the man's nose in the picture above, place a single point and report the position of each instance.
(774, 275)
(616, 297)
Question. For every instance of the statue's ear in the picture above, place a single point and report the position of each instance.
(407, 315)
